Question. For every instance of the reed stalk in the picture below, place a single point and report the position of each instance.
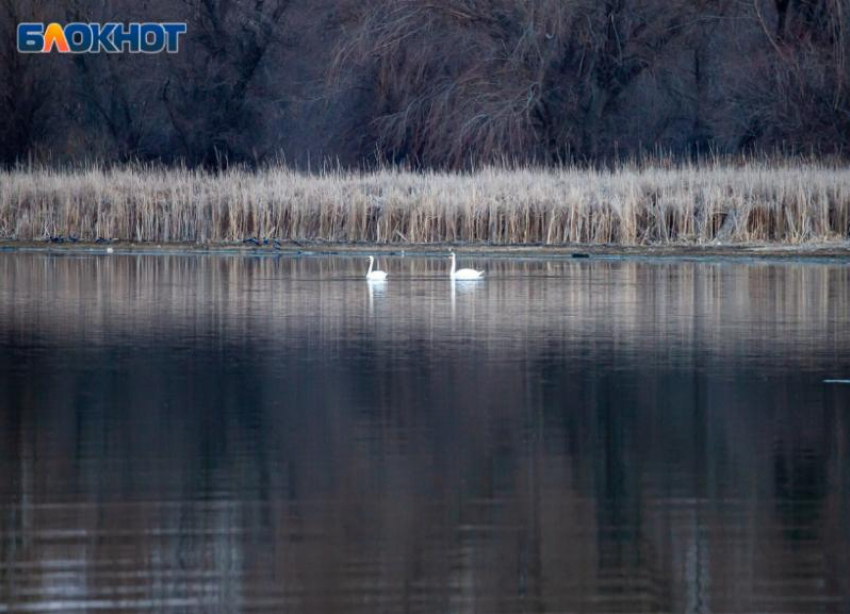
(767, 201)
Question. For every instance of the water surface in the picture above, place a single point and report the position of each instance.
(184, 433)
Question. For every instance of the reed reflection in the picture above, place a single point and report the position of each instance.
(233, 434)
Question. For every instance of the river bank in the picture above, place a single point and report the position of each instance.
(833, 250)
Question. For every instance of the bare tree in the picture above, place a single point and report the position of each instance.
(115, 90)
(24, 90)
(444, 83)
(209, 95)
(463, 79)
(794, 93)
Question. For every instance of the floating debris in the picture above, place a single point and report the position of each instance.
(837, 381)
(580, 255)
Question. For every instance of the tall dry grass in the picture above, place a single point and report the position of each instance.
(633, 205)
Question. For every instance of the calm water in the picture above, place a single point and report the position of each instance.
(238, 434)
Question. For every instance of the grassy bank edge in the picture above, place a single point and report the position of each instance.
(825, 250)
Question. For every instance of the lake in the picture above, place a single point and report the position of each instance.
(235, 433)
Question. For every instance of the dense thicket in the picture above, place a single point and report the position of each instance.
(434, 82)
(685, 204)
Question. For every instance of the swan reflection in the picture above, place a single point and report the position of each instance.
(463, 289)
(376, 288)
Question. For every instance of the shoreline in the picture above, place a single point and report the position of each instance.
(759, 251)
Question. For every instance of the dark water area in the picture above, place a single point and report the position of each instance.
(184, 433)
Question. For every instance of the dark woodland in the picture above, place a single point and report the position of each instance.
(434, 83)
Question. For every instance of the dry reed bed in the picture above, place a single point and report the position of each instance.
(756, 202)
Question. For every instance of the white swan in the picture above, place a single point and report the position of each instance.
(464, 274)
(375, 275)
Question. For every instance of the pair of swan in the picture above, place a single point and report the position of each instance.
(454, 273)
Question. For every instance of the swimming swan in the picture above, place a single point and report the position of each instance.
(375, 275)
(464, 274)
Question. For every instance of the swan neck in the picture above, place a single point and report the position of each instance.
(454, 264)
(371, 262)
